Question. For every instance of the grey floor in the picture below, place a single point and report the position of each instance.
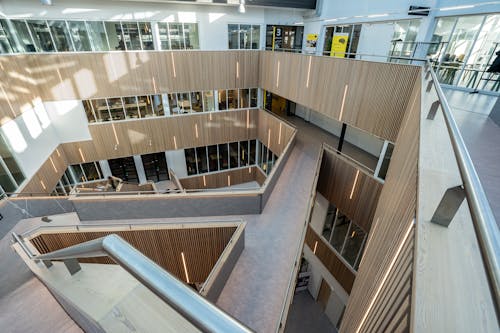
(482, 138)
(306, 315)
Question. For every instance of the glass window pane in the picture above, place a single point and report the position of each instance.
(353, 244)
(88, 111)
(115, 37)
(253, 97)
(20, 30)
(146, 36)
(116, 108)
(245, 36)
(223, 156)
(130, 104)
(233, 155)
(190, 161)
(222, 100)
(91, 171)
(196, 103)
(41, 35)
(327, 44)
(79, 35)
(183, 102)
(244, 153)
(173, 104)
(201, 153)
(98, 35)
(5, 181)
(340, 231)
(145, 107)
(255, 37)
(252, 152)
(7, 42)
(176, 36)
(78, 173)
(442, 33)
(158, 105)
(100, 109)
(191, 36)
(213, 160)
(131, 35)
(232, 99)
(244, 98)
(233, 35)
(208, 100)
(61, 36)
(330, 218)
(163, 30)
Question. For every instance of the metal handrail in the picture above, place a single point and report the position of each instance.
(484, 222)
(196, 309)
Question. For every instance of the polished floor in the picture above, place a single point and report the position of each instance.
(306, 315)
(482, 138)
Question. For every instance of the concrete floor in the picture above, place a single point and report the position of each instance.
(306, 315)
(482, 138)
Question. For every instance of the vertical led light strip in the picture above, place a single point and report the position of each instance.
(250, 170)
(315, 247)
(237, 69)
(116, 135)
(268, 138)
(196, 130)
(175, 143)
(59, 75)
(228, 180)
(173, 63)
(386, 275)
(308, 72)
(43, 184)
(58, 153)
(185, 267)
(343, 102)
(278, 75)
(81, 154)
(279, 135)
(354, 184)
(53, 165)
(154, 85)
(204, 181)
(248, 118)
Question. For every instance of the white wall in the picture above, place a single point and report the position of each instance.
(375, 38)
(69, 120)
(364, 140)
(32, 137)
(318, 216)
(176, 160)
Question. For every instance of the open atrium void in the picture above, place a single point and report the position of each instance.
(249, 166)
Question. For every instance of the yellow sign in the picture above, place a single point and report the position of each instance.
(311, 40)
(339, 45)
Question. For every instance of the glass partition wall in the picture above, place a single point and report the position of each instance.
(471, 44)
(25, 36)
(160, 105)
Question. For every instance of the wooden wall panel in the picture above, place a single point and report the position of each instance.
(62, 76)
(380, 299)
(47, 176)
(329, 259)
(220, 179)
(202, 247)
(376, 97)
(273, 132)
(135, 137)
(336, 179)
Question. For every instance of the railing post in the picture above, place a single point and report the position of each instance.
(433, 110)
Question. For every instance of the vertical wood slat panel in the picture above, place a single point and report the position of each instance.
(104, 74)
(336, 180)
(48, 175)
(220, 179)
(390, 243)
(377, 93)
(202, 247)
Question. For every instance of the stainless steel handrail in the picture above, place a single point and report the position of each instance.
(484, 222)
(196, 309)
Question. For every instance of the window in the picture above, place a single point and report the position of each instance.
(5, 39)
(190, 155)
(191, 39)
(201, 154)
(97, 34)
(91, 171)
(213, 158)
(350, 31)
(243, 36)
(284, 38)
(146, 36)
(131, 108)
(176, 36)
(196, 102)
(244, 153)
(233, 155)
(60, 34)
(79, 35)
(89, 111)
(115, 36)
(344, 236)
(208, 101)
(403, 40)
(41, 36)
(11, 175)
(155, 166)
(131, 35)
(223, 156)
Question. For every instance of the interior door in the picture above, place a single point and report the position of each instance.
(124, 168)
(324, 294)
(155, 166)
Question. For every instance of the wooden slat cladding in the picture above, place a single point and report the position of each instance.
(330, 260)
(273, 132)
(337, 177)
(136, 137)
(221, 179)
(62, 76)
(375, 100)
(380, 296)
(47, 176)
(202, 247)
